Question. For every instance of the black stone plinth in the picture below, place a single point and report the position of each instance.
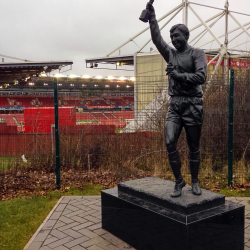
(158, 191)
(149, 226)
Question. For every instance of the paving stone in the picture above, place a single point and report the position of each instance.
(76, 242)
(58, 234)
(87, 213)
(35, 245)
(91, 218)
(98, 208)
(55, 215)
(78, 219)
(69, 215)
(97, 240)
(78, 247)
(60, 242)
(86, 208)
(88, 233)
(65, 220)
(114, 240)
(49, 224)
(50, 240)
(78, 203)
(67, 211)
(42, 235)
(247, 244)
(100, 231)
(96, 214)
(72, 233)
(94, 248)
(60, 207)
(96, 226)
(74, 224)
(75, 200)
(111, 247)
(73, 208)
(61, 248)
(83, 207)
(44, 248)
(59, 224)
(81, 226)
(64, 201)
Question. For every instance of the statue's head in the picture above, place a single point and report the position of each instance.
(179, 35)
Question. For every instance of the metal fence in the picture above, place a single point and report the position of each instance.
(115, 133)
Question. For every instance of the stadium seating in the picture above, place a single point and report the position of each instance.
(8, 118)
(4, 102)
(24, 101)
(46, 101)
(117, 102)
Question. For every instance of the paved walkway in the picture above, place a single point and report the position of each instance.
(75, 224)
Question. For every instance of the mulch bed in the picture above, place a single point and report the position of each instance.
(33, 182)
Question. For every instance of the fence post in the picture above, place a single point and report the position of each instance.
(230, 129)
(57, 141)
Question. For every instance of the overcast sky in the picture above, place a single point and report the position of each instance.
(44, 30)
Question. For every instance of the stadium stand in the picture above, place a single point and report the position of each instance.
(116, 101)
(4, 102)
(46, 101)
(8, 118)
(24, 101)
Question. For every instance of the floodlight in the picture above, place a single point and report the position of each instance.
(60, 75)
(122, 78)
(73, 76)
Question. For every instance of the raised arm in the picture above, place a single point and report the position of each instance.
(157, 39)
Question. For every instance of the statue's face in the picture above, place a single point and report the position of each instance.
(179, 40)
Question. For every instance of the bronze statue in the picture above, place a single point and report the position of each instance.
(187, 71)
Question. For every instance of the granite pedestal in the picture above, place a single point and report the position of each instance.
(143, 214)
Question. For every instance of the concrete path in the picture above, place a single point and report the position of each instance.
(75, 224)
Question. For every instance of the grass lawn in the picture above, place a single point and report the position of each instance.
(5, 162)
(235, 193)
(21, 217)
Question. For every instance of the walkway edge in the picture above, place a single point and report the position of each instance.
(41, 226)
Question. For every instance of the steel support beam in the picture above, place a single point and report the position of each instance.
(161, 28)
(205, 30)
(185, 12)
(213, 59)
(231, 31)
(240, 25)
(226, 61)
(160, 19)
(206, 26)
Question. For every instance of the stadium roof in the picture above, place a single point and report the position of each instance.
(117, 61)
(22, 70)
